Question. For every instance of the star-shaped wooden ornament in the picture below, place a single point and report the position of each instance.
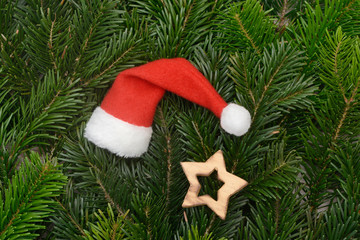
(232, 184)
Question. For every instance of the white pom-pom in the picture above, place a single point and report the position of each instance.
(235, 119)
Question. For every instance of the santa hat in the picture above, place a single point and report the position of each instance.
(122, 124)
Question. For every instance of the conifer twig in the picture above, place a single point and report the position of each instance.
(168, 151)
(109, 198)
(111, 66)
(50, 43)
(77, 225)
(237, 18)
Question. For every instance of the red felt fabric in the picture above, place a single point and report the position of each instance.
(137, 91)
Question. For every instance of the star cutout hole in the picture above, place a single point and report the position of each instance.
(210, 184)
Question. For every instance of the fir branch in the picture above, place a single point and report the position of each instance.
(42, 112)
(107, 226)
(120, 52)
(246, 80)
(267, 85)
(341, 122)
(44, 171)
(77, 62)
(245, 25)
(346, 9)
(76, 224)
(337, 72)
(246, 33)
(211, 224)
(41, 182)
(280, 100)
(92, 34)
(51, 102)
(94, 170)
(204, 147)
(280, 68)
(111, 65)
(342, 220)
(280, 218)
(85, 44)
(214, 5)
(108, 197)
(274, 174)
(168, 159)
(283, 14)
(336, 58)
(348, 103)
(148, 226)
(99, 174)
(187, 14)
(50, 43)
(11, 220)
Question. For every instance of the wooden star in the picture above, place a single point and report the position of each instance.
(232, 184)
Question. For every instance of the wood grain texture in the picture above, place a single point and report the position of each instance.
(232, 184)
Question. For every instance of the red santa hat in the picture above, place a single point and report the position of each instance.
(122, 124)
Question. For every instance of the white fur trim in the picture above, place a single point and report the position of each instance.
(235, 119)
(119, 137)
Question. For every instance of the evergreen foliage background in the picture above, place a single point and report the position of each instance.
(294, 64)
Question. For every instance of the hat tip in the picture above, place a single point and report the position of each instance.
(235, 119)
